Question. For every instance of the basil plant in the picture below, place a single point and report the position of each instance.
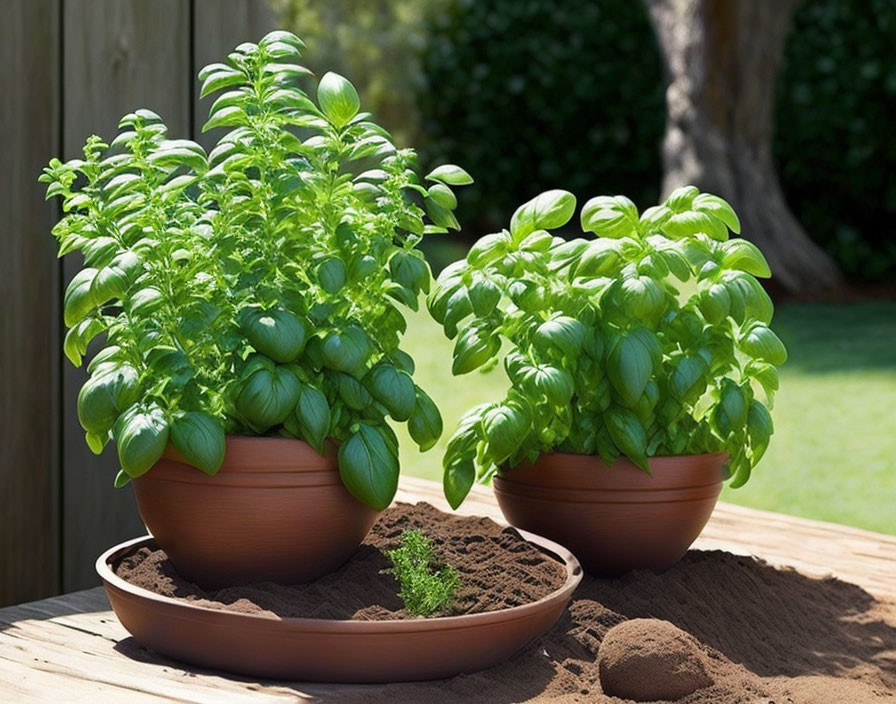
(256, 289)
(651, 339)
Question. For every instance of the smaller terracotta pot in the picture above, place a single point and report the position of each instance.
(276, 511)
(617, 518)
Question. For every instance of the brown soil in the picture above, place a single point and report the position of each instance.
(497, 569)
(715, 629)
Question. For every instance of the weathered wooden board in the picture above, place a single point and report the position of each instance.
(71, 648)
(29, 290)
(218, 27)
(118, 55)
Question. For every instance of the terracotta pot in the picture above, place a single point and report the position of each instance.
(618, 518)
(328, 650)
(276, 511)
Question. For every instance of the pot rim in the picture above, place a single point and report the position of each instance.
(660, 458)
(191, 611)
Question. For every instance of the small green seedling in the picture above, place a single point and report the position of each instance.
(425, 587)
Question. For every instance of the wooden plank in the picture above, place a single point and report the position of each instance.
(72, 647)
(219, 26)
(119, 55)
(29, 288)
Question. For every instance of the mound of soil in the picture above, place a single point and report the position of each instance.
(745, 632)
(497, 569)
(648, 660)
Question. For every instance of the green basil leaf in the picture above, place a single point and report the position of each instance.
(450, 175)
(613, 217)
(628, 435)
(715, 303)
(745, 256)
(474, 348)
(200, 439)
(484, 296)
(352, 392)
(547, 211)
(313, 415)
(505, 427)
(393, 388)
(141, 436)
(347, 350)
(275, 333)
(719, 208)
(267, 397)
(629, 367)
(443, 195)
(369, 467)
(760, 342)
(425, 422)
(688, 380)
(338, 99)
(103, 398)
(488, 249)
(79, 301)
(561, 333)
(458, 479)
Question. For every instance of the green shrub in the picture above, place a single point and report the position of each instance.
(539, 94)
(834, 145)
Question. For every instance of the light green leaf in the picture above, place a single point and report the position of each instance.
(338, 99)
(547, 211)
(450, 175)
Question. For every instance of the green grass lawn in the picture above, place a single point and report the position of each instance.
(833, 456)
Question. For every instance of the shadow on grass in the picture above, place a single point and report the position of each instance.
(838, 337)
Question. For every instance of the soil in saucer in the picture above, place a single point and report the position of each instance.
(717, 628)
(497, 569)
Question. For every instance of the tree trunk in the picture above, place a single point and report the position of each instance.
(721, 59)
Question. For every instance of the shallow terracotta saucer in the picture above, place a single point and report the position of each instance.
(324, 650)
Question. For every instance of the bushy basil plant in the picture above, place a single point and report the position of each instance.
(651, 339)
(255, 289)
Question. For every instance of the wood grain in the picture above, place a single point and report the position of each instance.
(218, 27)
(29, 289)
(119, 55)
(72, 648)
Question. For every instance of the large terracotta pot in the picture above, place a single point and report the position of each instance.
(617, 518)
(277, 511)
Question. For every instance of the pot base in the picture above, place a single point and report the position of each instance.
(614, 519)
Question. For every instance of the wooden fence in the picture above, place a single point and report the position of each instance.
(70, 68)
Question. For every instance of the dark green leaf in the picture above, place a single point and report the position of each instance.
(369, 467)
(199, 438)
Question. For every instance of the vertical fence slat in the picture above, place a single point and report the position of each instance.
(219, 25)
(118, 55)
(29, 379)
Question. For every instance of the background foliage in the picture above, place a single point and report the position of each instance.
(834, 144)
(539, 94)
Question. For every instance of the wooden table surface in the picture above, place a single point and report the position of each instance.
(72, 649)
